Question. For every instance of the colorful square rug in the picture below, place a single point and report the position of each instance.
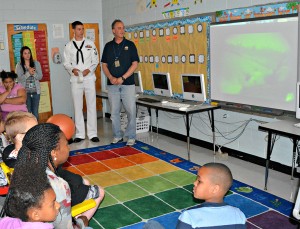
(143, 182)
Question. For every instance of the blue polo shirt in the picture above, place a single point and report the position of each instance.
(212, 216)
(125, 53)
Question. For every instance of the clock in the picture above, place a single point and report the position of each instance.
(199, 28)
(167, 31)
(175, 30)
(190, 29)
(156, 59)
(176, 59)
(183, 58)
(201, 58)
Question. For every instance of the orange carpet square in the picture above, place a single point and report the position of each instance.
(117, 163)
(92, 168)
(73, 169)
(141, 158)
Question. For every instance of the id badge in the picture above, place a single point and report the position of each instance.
(117, 63)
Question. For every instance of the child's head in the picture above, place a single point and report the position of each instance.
(31, 197)
(44, 144)
(18, 123)
(212, 183)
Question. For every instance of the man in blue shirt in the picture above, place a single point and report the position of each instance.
(119, 61)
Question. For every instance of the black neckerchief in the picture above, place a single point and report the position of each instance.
(79, 51)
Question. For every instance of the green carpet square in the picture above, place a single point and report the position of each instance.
(126, 191)
(189, 187)
(155, 184)
(94, 224)
(115, 216)
(149, 207)
(108, 200)
(178, 198)
(180, 177)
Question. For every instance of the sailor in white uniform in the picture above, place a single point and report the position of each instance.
(81, 59)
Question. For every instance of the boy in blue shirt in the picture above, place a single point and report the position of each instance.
(212, 183)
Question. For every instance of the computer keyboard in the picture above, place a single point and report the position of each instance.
(175, 105)
(149, 100)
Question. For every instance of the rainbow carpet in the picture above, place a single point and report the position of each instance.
(143, 182)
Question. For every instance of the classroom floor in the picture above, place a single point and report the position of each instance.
(279, 184)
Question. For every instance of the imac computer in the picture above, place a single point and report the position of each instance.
(162, 84)
(193, 87)
(138, 82)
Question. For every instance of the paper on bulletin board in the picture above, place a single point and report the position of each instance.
(90, 34)
(45, 105)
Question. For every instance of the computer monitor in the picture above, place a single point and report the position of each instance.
(162, 84)
(193, 87)
(138, 82)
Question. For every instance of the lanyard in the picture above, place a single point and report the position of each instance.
(119, 51)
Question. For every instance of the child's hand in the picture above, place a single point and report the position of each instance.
(8, 88)
(84, 219)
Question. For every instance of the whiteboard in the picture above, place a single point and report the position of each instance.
(255, 62)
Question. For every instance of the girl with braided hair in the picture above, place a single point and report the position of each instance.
(46, 145)
(31, 200)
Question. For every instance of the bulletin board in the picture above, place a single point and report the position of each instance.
(177, 47)
(35, 37)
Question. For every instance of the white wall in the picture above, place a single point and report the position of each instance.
(50, 12)
(251, 141)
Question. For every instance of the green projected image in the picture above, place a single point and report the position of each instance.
(253, 60)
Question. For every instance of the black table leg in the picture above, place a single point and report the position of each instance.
(271, 142)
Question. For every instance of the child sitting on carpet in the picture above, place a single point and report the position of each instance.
(46, 145)
(212, 183)
(16, 125)
(31, 200)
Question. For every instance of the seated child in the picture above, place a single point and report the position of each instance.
(16, 125)
(212, 183)
(46, 145)
(31, 201)
(3, 140)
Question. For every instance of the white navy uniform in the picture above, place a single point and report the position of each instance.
(87, 58)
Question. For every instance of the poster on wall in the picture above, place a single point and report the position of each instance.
(35, 37)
